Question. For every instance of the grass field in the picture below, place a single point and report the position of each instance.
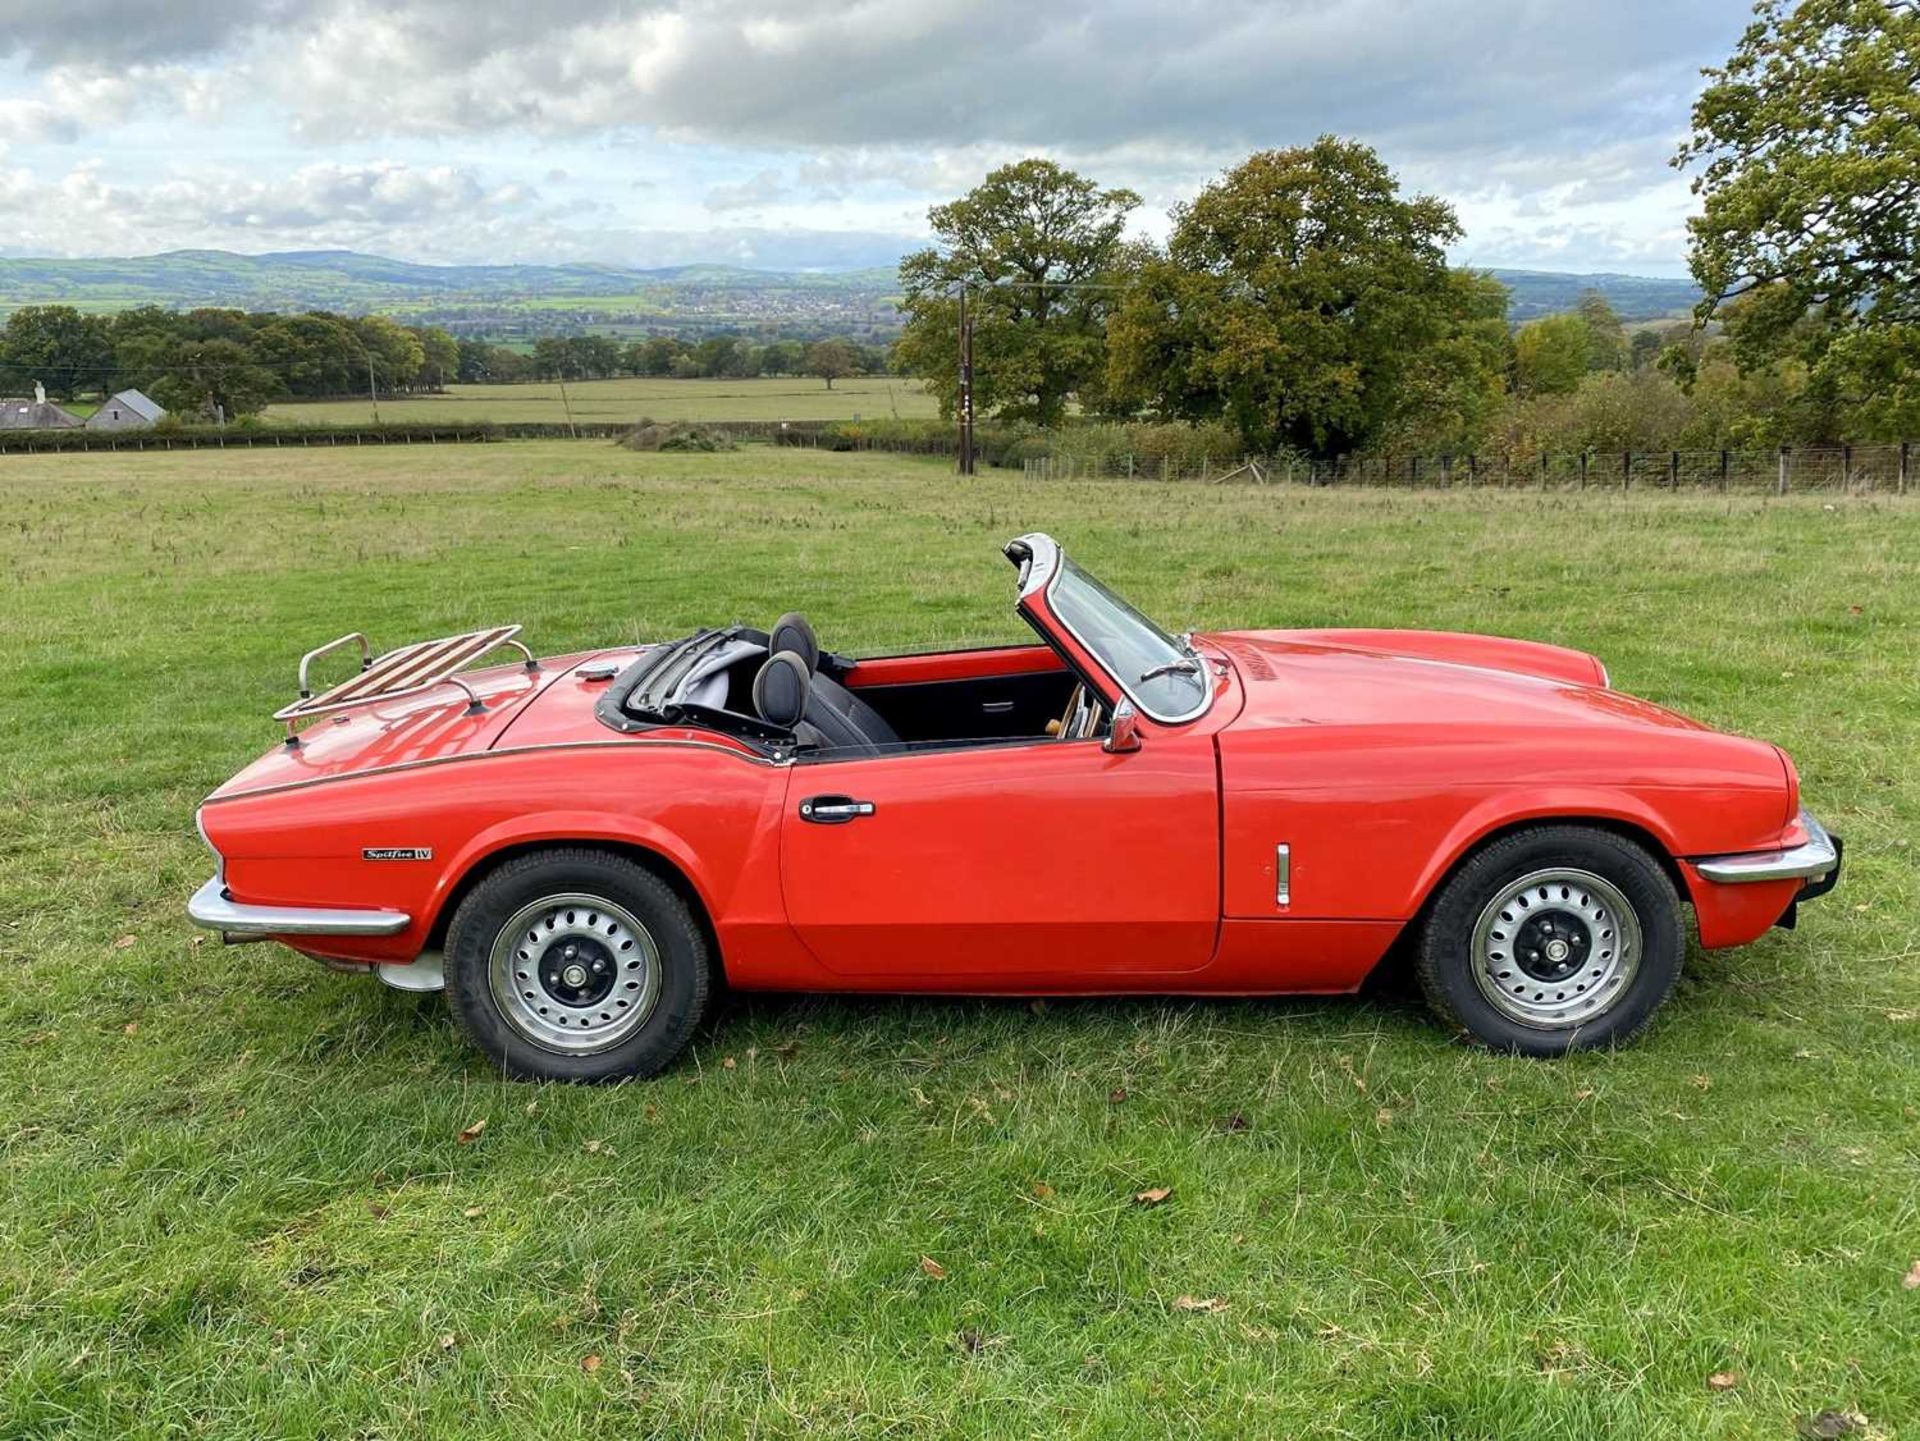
(629, 399)
(234, 1203)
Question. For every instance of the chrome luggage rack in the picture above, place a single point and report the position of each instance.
(407, 671)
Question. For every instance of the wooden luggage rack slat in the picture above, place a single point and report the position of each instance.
(407, 671)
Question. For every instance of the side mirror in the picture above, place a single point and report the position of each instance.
(1123, 736)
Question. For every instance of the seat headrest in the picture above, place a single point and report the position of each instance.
(791, 633)
(780, 689)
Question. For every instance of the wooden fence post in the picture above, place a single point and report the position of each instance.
(1584, 456)
(1723, 470)
(1626, 470)
(1846, 468)
(1905, 448)
(1673, 470)
(1782, 484)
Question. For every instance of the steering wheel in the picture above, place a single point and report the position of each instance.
(1082, 719)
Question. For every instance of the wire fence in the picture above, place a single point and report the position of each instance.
(277, 436)
(1848, 469)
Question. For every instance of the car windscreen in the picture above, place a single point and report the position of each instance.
(1163, 677)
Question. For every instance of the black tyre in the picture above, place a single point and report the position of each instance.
(576, 965)
(1553, 939)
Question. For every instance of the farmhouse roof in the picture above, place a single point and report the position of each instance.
(20, 412)
(140, 404)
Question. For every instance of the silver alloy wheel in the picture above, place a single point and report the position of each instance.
(1556, 948)
(574, 973)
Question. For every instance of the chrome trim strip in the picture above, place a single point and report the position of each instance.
(630, 743)
(1815, 857)
(214, 909)
(1283, 875)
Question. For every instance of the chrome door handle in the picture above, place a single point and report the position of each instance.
(834, 810)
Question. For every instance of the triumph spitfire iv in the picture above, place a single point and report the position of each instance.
(573, 847)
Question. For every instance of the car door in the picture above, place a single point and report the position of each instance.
(1038, 865)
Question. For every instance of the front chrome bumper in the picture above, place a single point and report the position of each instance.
(1815, 861)
(213, 908)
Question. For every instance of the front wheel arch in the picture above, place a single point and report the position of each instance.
(1626, 830)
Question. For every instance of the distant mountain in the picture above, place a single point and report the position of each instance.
(1545, 292)
(522, 301)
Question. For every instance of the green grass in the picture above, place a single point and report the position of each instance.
(234, 1204)
(873, 397)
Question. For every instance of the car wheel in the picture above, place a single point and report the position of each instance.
(1554, 939)
(576, 965)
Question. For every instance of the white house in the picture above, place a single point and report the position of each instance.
(129, 410)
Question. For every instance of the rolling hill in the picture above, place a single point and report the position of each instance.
(508, 301)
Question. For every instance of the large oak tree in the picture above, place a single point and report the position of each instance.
(1298, 298)
(1039, 249)
(1808, 147)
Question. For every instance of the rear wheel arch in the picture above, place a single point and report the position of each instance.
(656, 862)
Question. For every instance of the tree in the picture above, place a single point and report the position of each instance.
(1551, 354)
(57, 346)
(217, 377)
(1296, 297)
(1019, 241)
(1808, 141)
(831, 360)
(441, 356)
(397, 353)
(1606, 336)
(1454, 388)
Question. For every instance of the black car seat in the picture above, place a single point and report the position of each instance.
(780, 689)
(836, 712)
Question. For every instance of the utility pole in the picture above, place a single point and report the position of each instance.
(373, 393)
(966, 385)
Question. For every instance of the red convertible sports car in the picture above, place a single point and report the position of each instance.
(574, 846)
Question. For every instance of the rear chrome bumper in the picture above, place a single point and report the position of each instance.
(1815, 861)
(213, 908)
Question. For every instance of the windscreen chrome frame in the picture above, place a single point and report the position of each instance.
(1041, 567)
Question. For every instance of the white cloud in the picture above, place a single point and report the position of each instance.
(1547, 121)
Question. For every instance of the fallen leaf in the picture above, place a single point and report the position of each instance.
(1723, 1380)
(474, 1213)
(1117, 1095)
(1830, 1425)
(132, 1028)
(1234, 1122)
(447, 1342)
(1911, 1281)
(1043, 1190)
(1853, 610)
(1585, 1093)
(1207, 1304)
(472, 1133)
(728, 1064)
(1152, 1197)
(1038, 1006)
(197, 942)
(933, 1268)
(1383, 1118)
(589, 1364)
(376, 1210)
(594, 1148)
(122, 943)
(532, 1107)
(1701, 1083)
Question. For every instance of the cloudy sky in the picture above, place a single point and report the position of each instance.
(815, 133)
